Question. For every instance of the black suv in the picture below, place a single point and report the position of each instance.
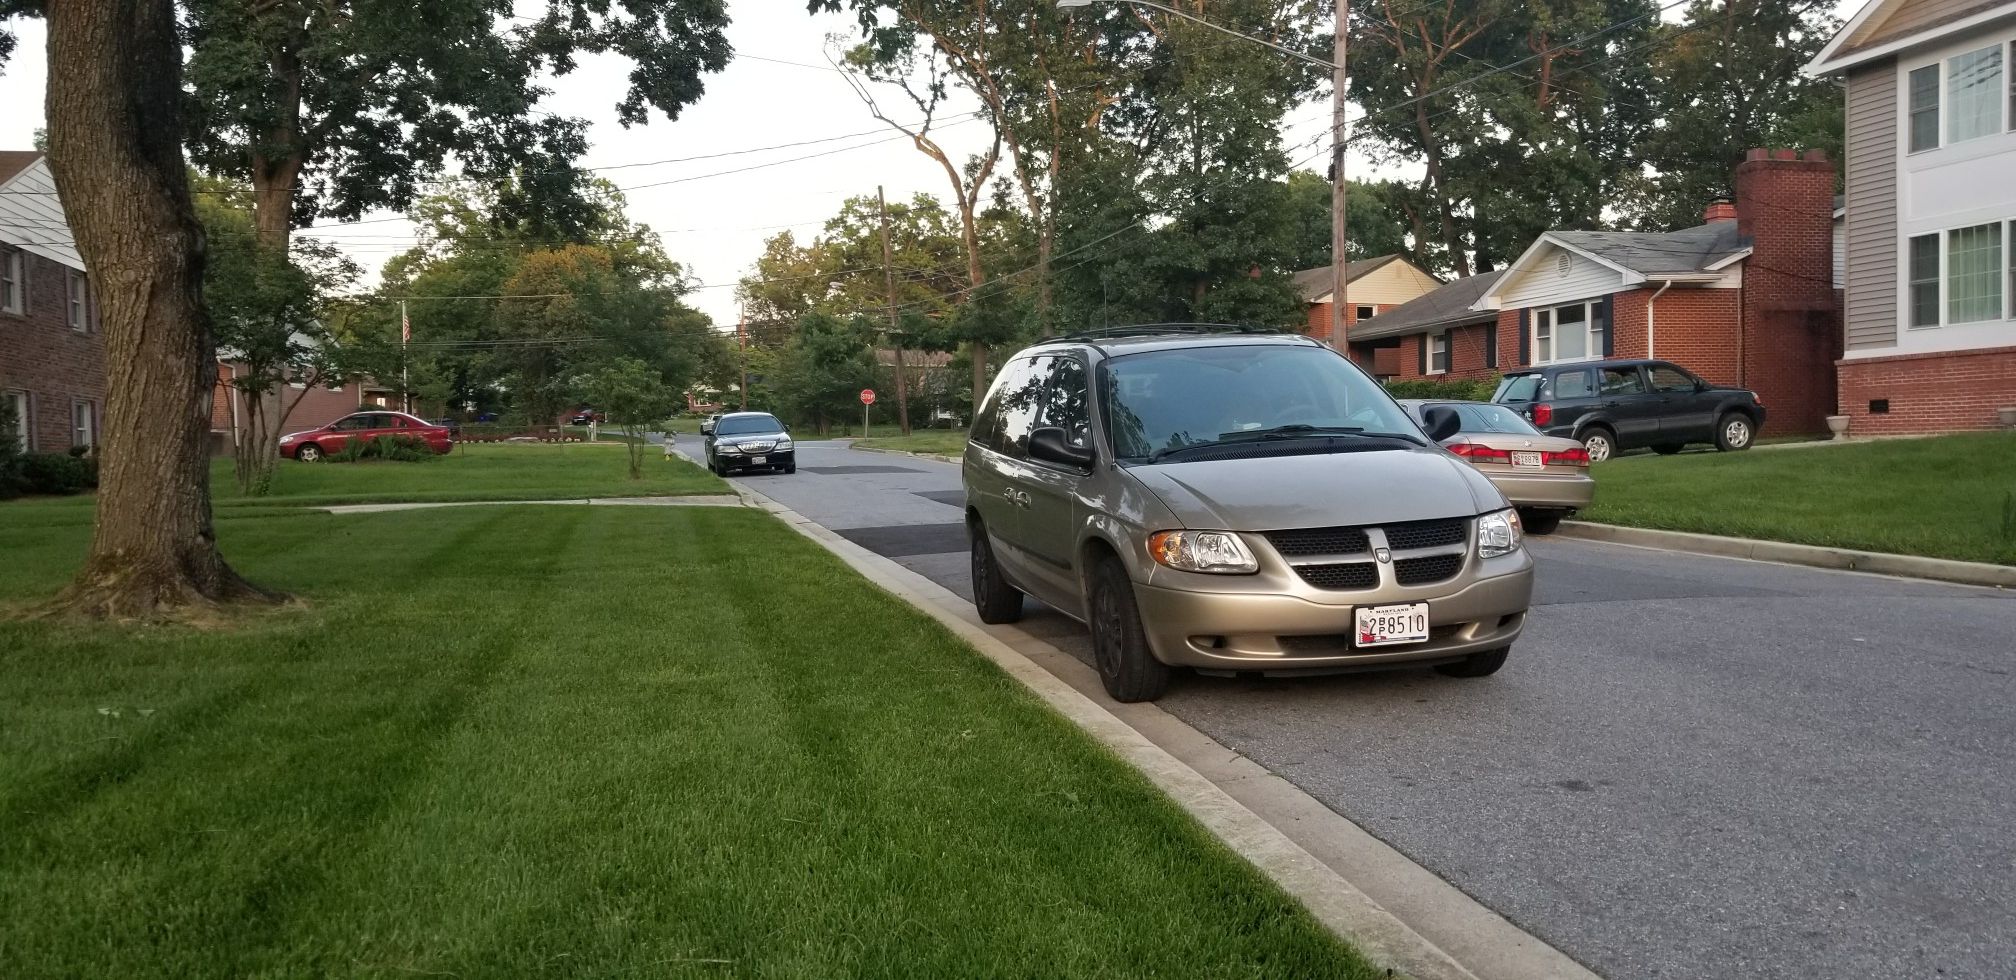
(1611, 406)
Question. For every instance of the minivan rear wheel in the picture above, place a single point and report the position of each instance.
(1476, 665)
(1126, 666)
(996, 600)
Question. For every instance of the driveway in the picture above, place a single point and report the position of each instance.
(1691, 766)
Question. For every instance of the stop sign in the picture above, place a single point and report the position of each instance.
(867, 396)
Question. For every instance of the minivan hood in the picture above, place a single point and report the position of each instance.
(1322, 490)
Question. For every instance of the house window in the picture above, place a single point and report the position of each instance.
(1924, 108)
(1925, 281)
(17, 402)
(1974, 273)
(1438, 353)
(83, 424)
(1974, 94)
(78, 309)
(12, 293)
(1367, 312)
(1567, 333)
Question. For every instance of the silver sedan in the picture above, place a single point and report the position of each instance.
(1546, 477)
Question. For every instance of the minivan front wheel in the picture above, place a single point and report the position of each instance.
(1120, 651)
(995, 600)
(1600, 444)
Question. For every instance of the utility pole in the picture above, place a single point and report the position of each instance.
(405, 337)
(742, 334)
(1340, 279)
(895, 336)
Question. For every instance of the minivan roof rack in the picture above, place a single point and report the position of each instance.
(1156, 329)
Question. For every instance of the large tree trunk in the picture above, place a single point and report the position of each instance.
(114, 144)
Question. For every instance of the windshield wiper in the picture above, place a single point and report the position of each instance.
(1282, 432)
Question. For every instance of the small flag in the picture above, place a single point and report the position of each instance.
(405, 327)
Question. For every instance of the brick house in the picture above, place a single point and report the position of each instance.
(1746, 298)
(52, 355)
(1929, 330)
(1377, 284)
(311, 408)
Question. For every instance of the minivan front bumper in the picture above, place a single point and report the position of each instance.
(1280, 633)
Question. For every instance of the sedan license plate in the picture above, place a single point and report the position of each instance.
(1380, 626)
(1526, 460)
(758, 460)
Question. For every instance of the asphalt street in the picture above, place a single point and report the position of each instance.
(1691, 766)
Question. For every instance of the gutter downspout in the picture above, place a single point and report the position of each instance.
(1652, 319)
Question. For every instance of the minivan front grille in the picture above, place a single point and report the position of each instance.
(1422, 571)
(1343, 577)
(1307, 541)
(1426, 534)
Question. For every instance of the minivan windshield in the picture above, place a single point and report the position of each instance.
(747, 425)
(1160, 401)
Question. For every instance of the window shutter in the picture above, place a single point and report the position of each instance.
(1491, 344)
(1422, 349)
(1525, 337)
(1603, 317)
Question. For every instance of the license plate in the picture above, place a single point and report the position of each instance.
(758, 460)
(1380, 626)
(1524, 460)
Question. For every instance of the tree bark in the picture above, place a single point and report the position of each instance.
(114, 111)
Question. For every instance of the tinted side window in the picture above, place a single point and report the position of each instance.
(1623, 381)
(1011, 409)
(1065, 402)
(1671, 379)
(1573, 384)
(353, 423)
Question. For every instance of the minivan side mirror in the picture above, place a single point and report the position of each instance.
(1050, 445)
(1441, 422)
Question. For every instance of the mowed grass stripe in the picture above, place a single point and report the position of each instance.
(587, 742)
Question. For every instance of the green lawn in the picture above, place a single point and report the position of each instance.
(1942, 497)
(458, 760)
(474, 471)
(950, 442)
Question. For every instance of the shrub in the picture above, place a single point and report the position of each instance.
(58, 473)
(11, 480)
(1439, 390)
(394, 449)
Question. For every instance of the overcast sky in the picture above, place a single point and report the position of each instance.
(715, 225)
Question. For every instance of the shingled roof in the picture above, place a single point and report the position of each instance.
(1448, 306)
(1653, 253)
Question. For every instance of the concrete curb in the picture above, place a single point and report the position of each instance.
(1496, 948)
(935, 457)
(1843, 559)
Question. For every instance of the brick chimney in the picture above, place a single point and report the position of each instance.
(1791, 324)
(1719, 209)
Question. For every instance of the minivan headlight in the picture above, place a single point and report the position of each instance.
(1498, 534)
(1217, 552)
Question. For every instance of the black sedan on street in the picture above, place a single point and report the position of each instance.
(750, 441)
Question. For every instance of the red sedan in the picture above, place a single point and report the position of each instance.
(312, 445)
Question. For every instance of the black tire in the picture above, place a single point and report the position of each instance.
(1599, 439)
(1476, 665)
(1120, 653)
(791, 468)
(310, 453)
(1540, 521)
(1668, 448)
(996, 600)
(1734, 432)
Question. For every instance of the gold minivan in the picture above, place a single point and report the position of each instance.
(1235, 503)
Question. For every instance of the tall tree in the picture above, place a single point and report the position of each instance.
(1732, 80)
(114, 109)
(335, 107)
(1379, 220)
